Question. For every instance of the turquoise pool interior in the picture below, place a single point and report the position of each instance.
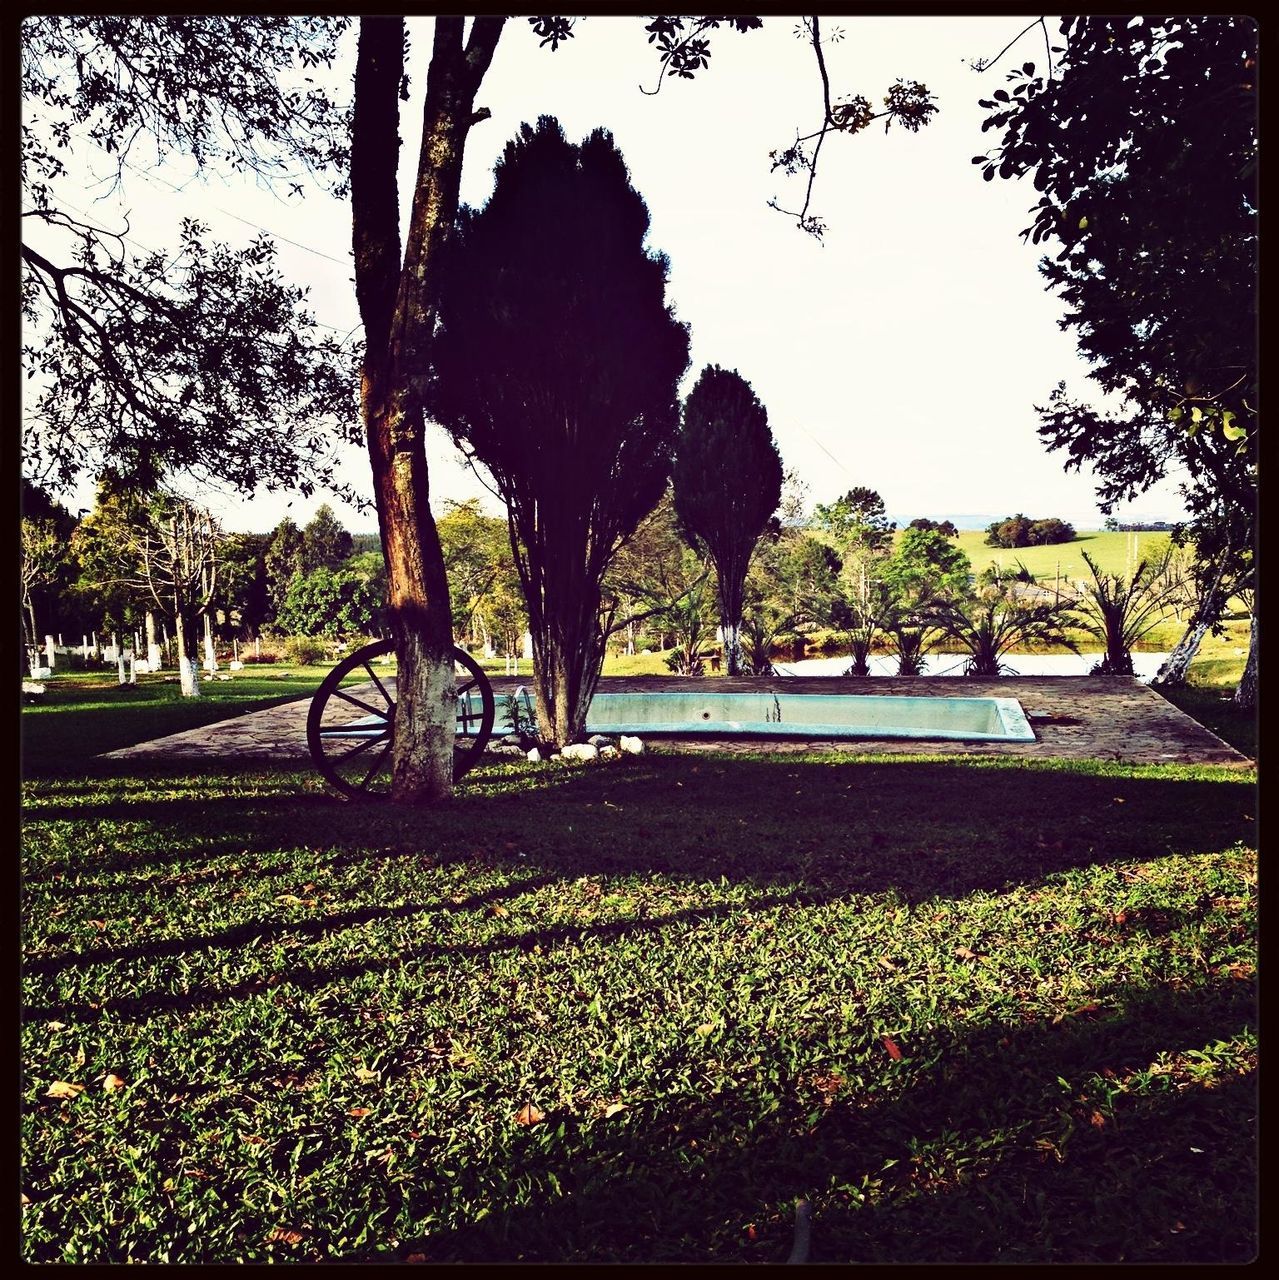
(803, 715)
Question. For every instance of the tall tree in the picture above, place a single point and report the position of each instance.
(556, 366)
(857, 522)
(485, 596)
(791, 585)
(728, 483)
(42, 553)
(233, 91)
(655, 582)
(244, 594)
(282, 562)
(326, 542)
(1142, 138)
(925, 565)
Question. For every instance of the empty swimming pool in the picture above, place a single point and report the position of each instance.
(815, 715)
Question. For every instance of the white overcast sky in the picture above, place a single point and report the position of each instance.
(905, 353)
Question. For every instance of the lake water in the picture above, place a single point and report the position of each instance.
(1144, 665)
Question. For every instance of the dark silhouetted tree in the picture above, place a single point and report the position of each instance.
(728, 482)
(556, 367)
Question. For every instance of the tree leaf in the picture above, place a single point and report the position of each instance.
(890, 1046)
(529, 1115)
(112, 1083)
(64, 1089)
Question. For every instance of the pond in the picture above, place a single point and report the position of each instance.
(1144, 665)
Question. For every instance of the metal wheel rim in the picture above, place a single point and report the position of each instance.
(353, 754)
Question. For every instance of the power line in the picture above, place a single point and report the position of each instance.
(149, 249)
(297, 244)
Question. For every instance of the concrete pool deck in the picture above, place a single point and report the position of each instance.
(1074, 717)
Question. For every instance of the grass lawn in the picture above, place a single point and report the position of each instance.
(1109, 550)
(83, 715)
(973, 1010)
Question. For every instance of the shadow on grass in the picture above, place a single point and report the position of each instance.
(986, 1156)
(306, 978)
(922, 829)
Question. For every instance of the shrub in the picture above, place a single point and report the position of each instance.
(305, 650)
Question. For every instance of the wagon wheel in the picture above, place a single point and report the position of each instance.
(348, 730)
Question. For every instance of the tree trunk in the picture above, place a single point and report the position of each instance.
(154, 659)
(210, 652)
(565, 676)
(398, 303)
(1207, 610)
(188, 676)
(732, 647)
(1177, 663)
(30, 618)
(1246, 694)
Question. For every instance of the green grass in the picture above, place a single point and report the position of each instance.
(982, 1010)
(1109, 550)
(83, 715)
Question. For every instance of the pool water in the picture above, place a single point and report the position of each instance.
(806, 715)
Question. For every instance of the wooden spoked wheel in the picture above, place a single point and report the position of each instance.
(349, 728)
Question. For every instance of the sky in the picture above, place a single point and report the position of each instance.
(905, 353)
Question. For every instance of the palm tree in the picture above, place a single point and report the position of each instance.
(999, 618)
(1120, 610)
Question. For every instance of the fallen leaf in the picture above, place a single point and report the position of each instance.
(706, 1028)
(613, 1108)
(98, 924)
(112, 1082)
(1120, 800)
(55, 1026)
(251, 1139)
(529, 1115)
(26, 1199)
(966, 953)
(416, 1257)
(360, 1111)
(891, 1046)
(364, 1075)
(1097, 1120)
(61, 1089)
(497, 909)
(283, 1235)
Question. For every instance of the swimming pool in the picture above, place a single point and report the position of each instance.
(815, 715)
